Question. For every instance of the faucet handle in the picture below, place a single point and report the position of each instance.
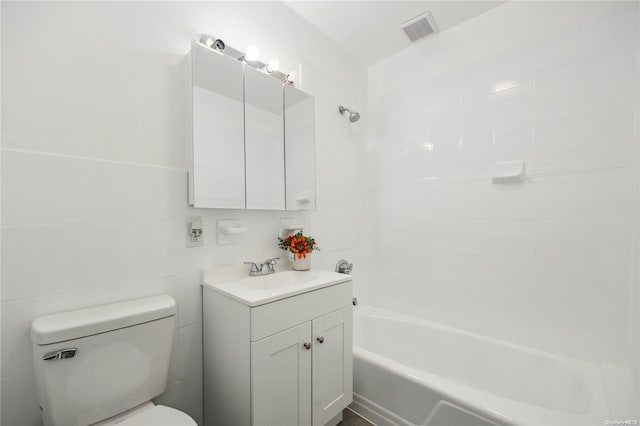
(271, 263)
(344, 267)
(254, 267)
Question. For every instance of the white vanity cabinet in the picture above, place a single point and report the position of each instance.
(303, 375)
(287, 362)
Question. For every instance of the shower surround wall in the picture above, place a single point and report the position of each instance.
(547, 263)
(94, 167)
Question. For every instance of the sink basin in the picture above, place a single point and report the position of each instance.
(278, 280)
(255, 291)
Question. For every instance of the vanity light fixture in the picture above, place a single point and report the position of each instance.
(251, 54)
(273, 65)
(212, 43)
(250, 57)
(290, 77)
(207, 41)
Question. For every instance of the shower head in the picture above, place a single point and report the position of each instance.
(353, 116)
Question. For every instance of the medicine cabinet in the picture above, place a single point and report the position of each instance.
(252, 137)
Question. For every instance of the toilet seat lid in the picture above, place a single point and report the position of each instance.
(159, 416)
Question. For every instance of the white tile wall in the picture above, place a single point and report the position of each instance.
(545, 263)
(94, 195)
(18, 398)
(634, 299)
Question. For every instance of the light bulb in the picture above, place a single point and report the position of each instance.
(291, 77)
(274, 65)
(252, 53)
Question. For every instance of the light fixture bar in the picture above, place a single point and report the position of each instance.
(218, 45)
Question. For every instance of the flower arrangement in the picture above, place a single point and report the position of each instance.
(298, 244)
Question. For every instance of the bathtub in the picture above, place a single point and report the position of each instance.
(409, 371)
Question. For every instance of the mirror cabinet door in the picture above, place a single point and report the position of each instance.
(264, 141)
(300, 149)
(217, 175)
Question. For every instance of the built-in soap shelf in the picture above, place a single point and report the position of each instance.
(509, 171)
(230, 231)
(289, 226)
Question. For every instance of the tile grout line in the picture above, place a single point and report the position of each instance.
(101, 160)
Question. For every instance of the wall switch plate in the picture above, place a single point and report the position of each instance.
(195, 233)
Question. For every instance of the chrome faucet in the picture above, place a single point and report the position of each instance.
(268, 267)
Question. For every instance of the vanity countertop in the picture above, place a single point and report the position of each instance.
(254, 291)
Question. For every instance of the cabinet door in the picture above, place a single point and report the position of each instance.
(216, 174)
(264, 140)
(281, 378)
(332, 364)
(300, 149)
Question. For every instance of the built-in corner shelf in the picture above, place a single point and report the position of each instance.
(509, 171)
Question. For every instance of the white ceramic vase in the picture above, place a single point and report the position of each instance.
(303, 264)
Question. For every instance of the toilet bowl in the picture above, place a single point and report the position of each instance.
(103, 365)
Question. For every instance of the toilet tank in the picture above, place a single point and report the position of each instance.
(91, 364)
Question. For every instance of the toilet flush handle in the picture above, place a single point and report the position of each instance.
(61, 354)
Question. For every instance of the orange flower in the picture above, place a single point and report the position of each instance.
(298, 244)
(300, 247)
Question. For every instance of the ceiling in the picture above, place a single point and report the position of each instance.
(370, 30)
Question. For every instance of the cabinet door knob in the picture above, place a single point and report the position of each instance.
(320, 339)
(307, 345)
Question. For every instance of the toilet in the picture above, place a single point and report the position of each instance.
(103, 365)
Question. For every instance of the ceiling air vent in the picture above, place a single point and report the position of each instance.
(419, 27)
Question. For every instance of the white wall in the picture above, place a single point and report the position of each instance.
(94, 195)
(547, 263)
(634, 329)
